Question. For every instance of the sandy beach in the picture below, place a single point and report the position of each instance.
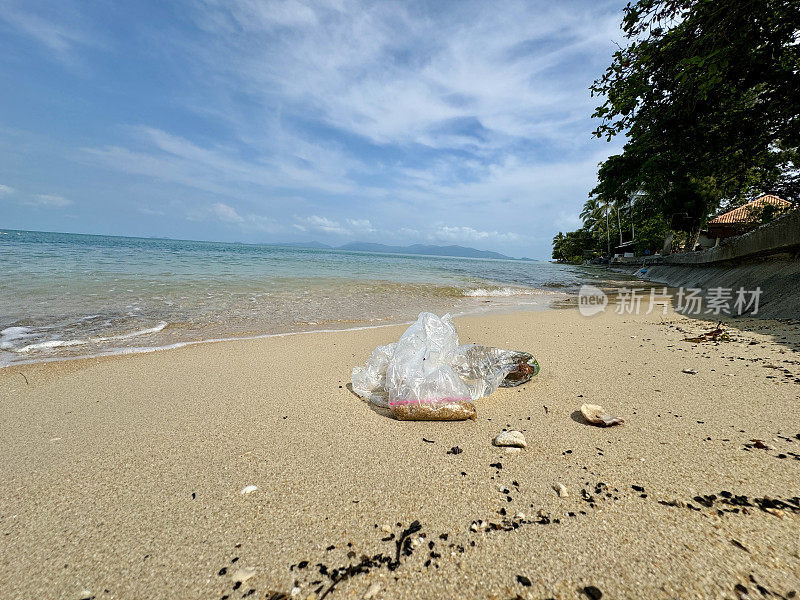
(122, 475)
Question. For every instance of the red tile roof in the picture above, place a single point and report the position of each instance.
(745, 213)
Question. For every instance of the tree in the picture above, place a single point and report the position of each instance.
(708, 95)
(575, 247)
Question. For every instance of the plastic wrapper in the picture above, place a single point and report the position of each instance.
(426, 375)
(485, 368)
(370, 381)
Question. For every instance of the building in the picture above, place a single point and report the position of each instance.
(746, 217)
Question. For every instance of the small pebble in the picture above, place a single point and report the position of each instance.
(512, 439)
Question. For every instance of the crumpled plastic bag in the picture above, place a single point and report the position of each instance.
(426, 375)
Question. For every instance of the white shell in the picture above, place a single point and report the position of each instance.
(596, 415)
(244, 574)
(689, 371)
(562, 490)
(372, 591)
(513, 439)
(248, 490)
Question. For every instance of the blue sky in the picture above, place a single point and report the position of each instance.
(337, 120)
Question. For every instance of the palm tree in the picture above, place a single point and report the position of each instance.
(594, 209)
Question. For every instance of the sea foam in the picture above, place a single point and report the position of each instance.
(502, 292)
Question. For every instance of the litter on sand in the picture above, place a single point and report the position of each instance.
(713, 335)
(427, 376)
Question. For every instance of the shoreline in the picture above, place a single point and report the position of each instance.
(551, 299)
(68, 295)
(125, 475)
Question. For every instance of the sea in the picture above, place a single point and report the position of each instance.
(69, 295)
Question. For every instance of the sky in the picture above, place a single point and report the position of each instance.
(439, 122)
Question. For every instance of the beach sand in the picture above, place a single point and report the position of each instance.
(122, 476)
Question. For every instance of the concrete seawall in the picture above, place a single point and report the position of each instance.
(779, 280)
(766, 258)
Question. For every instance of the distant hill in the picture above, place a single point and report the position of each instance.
(317, 245)
(458, 251)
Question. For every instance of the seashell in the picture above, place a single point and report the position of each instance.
(372, 591)
(562, 490)
(248, 490)
(596, 415)
(243, 574)
(689, 371)
(512, 439)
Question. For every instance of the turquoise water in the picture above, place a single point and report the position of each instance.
(67, 295)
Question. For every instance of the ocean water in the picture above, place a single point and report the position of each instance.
(66, 295)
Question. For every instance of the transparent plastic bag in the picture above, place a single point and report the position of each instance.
(426, 375)
(485, 368)
(369, 381)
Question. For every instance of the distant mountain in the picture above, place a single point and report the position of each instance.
(318, 245)
(459, 251)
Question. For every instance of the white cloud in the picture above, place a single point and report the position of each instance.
(226, 213)
(399, 73)
(246, 221)
(146, 210)
(304, 166)
(60, 28)
(261, 223)
(6, 189)
(48, 201)
(360, 226)
(469, 234)
(317, 223)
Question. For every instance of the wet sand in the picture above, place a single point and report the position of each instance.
(122, 476)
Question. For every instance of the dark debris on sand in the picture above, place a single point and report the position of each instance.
(726, 502)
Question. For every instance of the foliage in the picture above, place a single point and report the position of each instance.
(707, 94)
(575, 247)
